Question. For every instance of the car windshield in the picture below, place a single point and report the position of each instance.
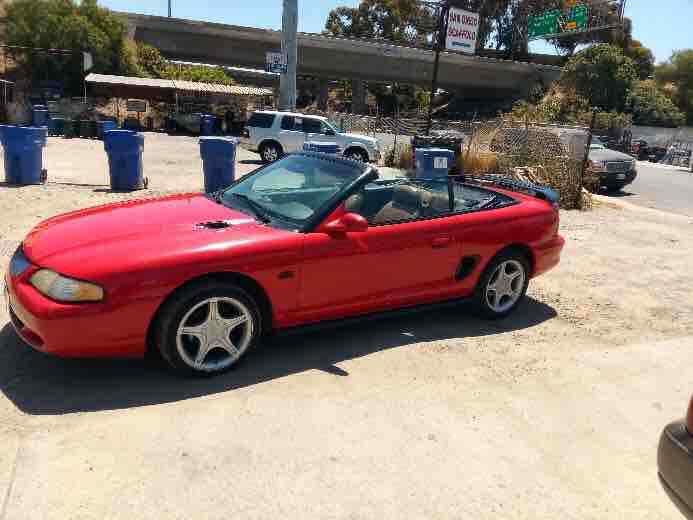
(289, 192)
(597, 146)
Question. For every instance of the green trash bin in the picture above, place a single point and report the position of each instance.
(56, 126)
(70, 128)
(87, 129)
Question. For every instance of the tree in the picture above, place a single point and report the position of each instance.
(650, 106)
(642, 57)
(677, 76)
(153, 65)
(406, 22)
(602, 74)
(64, 24)
(399, 21)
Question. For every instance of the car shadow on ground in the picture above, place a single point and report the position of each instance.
(42, 385)
(623, 192)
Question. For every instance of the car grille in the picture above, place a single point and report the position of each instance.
(618, 166)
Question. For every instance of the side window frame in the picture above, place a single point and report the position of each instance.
(284, 125)
(313, 121)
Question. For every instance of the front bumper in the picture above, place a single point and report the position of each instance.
(675, 463)
(618, 180)
(91, 330)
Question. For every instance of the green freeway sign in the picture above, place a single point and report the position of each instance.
(556, 21)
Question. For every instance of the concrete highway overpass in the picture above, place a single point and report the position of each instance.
(339, 58)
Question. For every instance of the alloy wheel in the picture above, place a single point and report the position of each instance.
(214, 334)
(504, 287)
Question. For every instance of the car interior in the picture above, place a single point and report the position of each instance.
(296, 188)
(384, 202)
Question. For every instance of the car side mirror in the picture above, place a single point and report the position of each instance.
(347, 223)
(329, 131)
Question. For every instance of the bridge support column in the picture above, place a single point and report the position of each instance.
(323, 94)
(358, 97)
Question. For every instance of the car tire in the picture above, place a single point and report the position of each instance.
(270, 152)
(206, 328)
(502, 286)
(357, 155)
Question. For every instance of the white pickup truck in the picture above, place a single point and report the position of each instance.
(273, 134)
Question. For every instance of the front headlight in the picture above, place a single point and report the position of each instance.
(63, 289)
(597, 166)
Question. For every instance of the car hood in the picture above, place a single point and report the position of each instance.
(91, 241)
(361, 138)
(608, 155)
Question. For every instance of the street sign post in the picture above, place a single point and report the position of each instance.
(556, 22)
(462, 30)
(276, 62)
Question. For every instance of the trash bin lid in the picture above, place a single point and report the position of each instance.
(218, 144)
(24, 134)
(122, 139)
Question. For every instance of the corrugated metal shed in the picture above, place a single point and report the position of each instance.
(179, 85)
(128, 81)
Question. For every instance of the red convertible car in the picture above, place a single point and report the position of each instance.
(310, 238)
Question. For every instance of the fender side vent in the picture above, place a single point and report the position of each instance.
(466, 267)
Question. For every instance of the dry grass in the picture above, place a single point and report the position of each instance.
(476, 162)
(400, 157)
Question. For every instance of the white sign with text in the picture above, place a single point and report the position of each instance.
(463, 27)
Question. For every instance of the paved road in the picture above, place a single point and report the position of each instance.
(665, 188)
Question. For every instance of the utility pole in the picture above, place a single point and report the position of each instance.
(169, 8)
(287, 88)
(439, 44)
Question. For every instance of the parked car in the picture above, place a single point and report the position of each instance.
(675, 462)
(306, 239)
(615, 169)
(273, 134)
(656, 153)
(639, 149)
(187, 122)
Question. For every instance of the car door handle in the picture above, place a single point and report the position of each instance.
(440, 242)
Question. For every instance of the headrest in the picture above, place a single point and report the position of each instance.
(407, 196)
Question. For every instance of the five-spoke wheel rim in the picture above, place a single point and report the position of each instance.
(271, 153)
(214, 334)
(358, 156)
(505, 286)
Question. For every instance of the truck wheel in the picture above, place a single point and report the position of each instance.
(356, 154)
(271, 152)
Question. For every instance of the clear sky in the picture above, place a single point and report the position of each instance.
(662, 26)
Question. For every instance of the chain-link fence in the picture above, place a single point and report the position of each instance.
(552, 155)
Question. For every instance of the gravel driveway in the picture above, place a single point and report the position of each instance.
(551, 413)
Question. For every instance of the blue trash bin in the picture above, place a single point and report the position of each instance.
(206, 124)
(323, 147)
(105, 126)
(433, 163)
(39, 117)
(124, 149)
(23, 154)
(218, 161)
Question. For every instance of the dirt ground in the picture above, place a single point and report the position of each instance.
(551, 413)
